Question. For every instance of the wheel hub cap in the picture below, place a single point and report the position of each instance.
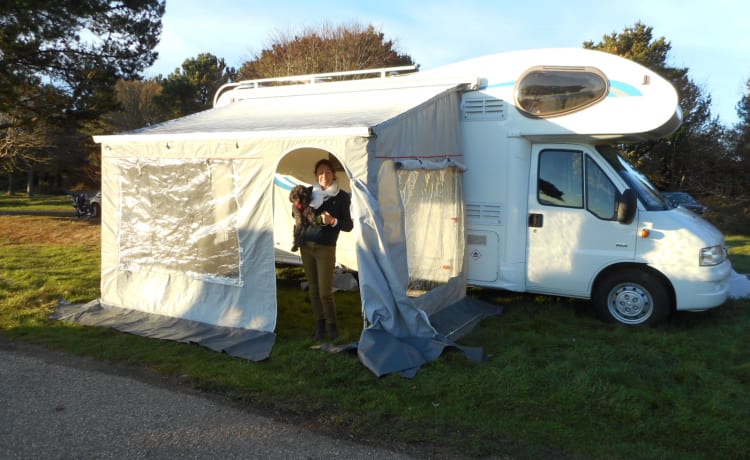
(631, 303)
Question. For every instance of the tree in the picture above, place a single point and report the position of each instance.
(60, 61)
(79, 46)
(191, 88)
(325, 49)
(138, 107)
(20, 147)
(740, 142)
(680, 160)
(742, 128)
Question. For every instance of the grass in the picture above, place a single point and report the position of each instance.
(560, 383)
(38, 203)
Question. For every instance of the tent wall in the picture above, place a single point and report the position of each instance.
(149, 212)
(246, 301)
(422, 210)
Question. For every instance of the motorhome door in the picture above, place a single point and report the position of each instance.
(573, 231)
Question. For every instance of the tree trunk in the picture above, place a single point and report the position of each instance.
(30, 182)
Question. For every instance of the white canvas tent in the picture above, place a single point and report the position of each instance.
(188, 215)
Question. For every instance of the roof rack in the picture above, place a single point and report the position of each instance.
(383, 72)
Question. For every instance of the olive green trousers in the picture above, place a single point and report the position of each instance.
(319, 263)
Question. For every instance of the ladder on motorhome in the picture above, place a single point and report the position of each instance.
(314, 78)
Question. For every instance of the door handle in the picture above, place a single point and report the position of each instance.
(536, 220)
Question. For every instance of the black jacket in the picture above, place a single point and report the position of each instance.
(338, 207)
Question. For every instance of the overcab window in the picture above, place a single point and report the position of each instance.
(553, 91)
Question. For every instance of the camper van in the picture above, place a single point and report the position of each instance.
(550, 205)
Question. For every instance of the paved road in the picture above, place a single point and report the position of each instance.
(58, 406)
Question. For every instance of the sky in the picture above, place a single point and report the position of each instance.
(709, 38)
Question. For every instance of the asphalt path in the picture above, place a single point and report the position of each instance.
(59, 406)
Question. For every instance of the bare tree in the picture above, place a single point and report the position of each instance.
(324, 49)
(22, 146)
(137, 105)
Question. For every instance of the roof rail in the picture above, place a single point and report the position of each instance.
(313, 78)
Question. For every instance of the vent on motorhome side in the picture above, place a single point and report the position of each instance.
(487, 213)
(484, 109)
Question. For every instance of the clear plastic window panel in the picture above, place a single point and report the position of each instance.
(179, 216)
(433, 219)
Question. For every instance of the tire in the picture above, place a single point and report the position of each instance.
(633, 297)
(96, 210)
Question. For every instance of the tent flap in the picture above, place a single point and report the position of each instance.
(243, 343)
(460, 318)
(383, 353)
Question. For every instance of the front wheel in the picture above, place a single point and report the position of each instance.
(96, 210)
(632, 297)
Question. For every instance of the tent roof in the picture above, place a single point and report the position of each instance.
(334, 109)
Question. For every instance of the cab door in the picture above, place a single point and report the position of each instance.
(573, 230)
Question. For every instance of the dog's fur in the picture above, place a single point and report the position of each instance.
(302, 212)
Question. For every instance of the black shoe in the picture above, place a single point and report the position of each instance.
(320, 330)
(333, 332)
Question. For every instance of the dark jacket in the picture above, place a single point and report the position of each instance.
(338, 207)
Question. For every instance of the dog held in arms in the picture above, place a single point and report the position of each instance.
(302, 212)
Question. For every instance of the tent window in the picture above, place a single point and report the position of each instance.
(179, 216)
(433, 218)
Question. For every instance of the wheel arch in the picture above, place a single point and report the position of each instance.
(610, 270)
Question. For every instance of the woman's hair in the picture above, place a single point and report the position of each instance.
(324, 161)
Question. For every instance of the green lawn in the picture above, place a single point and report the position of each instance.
(39, 203)
(560, 384)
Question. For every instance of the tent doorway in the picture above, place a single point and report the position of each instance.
(297, 168)
(294, 168)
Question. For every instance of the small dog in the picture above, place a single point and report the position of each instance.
(302, 212)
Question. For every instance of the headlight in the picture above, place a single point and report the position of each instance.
(712, 256)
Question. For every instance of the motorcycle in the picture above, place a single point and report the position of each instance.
(85, 207)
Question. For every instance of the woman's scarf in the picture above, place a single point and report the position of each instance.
(319, 195)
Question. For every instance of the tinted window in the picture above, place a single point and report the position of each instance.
(547, 91)
(600, 192)
(561, 178)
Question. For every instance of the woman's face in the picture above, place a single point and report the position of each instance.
(325, 176)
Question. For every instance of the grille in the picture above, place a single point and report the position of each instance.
(484, 212)
(483, 109)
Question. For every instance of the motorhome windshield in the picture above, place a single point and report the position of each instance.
(648, 195)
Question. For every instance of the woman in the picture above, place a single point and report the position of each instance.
(318, 250)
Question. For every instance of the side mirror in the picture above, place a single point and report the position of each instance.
(627, 203)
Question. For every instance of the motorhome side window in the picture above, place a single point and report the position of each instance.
(550, 91)
(561, 178)
(600, 192)
(561, 183)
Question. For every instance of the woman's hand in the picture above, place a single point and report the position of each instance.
(326, 218)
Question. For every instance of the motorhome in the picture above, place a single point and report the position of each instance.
(550, 204)
(502, 172)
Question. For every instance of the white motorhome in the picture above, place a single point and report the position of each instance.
(549, 204)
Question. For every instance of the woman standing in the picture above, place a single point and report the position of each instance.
(318, 251)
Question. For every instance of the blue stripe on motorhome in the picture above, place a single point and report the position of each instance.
(620, 89)
(283, 182)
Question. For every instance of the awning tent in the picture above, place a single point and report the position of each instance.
(188, 212)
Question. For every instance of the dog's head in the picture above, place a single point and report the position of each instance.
(300, 194)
